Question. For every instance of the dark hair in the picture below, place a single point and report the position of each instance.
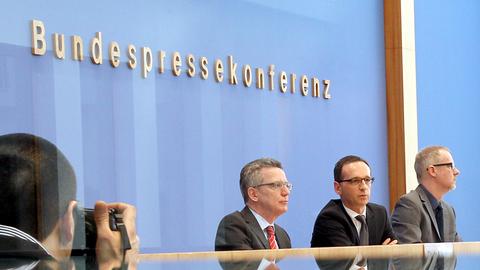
(37, 184)
(337, 171)
(249, 174)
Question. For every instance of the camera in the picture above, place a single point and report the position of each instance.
(91, 226)
(85, 236)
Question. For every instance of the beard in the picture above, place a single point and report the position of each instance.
(453, 186)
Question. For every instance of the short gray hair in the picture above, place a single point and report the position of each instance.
(426, 157)
(249, 176)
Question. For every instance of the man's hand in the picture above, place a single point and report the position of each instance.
(389, 241)
(109, 243)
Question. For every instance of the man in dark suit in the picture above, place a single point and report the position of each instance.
(421, 216)
(265, 190)
(352, 220)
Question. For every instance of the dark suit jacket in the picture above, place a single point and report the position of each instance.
(241, 231)
(334, 227)
(413, 220)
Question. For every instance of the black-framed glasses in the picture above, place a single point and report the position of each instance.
(276, 185)
(448, 164)
(357, 181)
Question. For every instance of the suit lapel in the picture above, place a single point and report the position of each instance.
(255, 227)
(371, 224)
(428, 208)
(279, 237)
(447, 224)
(353, 229)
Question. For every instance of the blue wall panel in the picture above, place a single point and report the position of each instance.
(174, 146)
(448, 83)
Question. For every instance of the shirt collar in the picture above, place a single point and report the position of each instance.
(261, 221)
(433, 202)
(353, 214)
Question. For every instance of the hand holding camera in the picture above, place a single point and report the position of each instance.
(115, 224)
(106, 233)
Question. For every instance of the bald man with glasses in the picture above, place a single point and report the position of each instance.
(265, 190)
(352, 220)
(421, 216)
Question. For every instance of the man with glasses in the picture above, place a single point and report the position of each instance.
(265, 190)
(421, 216)
(352, 220)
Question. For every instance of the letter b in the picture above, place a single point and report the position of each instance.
(39, 45)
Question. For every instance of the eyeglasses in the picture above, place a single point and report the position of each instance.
(448, 164)
(276, 185)
(357, 181)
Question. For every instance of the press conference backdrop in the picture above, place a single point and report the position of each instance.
(174, 145)
(448, 64)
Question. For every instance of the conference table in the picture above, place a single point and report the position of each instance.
(465, 255)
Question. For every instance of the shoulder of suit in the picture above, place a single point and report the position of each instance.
(334, 204)
(237, 215)
(377, 209)
(417, 194)
(333, 211)
(413, 195)
(332, 207)
(375, 206)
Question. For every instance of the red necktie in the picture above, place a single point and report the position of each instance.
(271, 237)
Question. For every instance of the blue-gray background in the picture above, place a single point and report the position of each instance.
(447, 35)
(174, 146)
